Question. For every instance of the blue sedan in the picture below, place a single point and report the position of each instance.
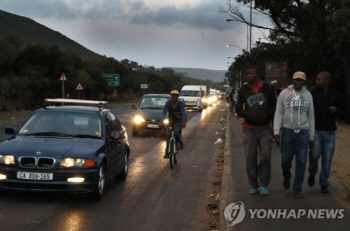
(65, 148)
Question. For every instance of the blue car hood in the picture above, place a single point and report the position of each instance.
(50, 146)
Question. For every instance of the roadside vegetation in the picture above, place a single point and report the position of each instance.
(30, 74)
(311, 36)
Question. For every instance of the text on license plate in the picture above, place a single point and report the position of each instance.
(34, 176)
(153, 125)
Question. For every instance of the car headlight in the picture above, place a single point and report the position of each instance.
(166, 121)
(138, 119)
(204, 100)
(77, 162)
(7, 159)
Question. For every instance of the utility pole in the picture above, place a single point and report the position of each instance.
(250, 24)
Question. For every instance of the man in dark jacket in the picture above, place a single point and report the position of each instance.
(327, 103)
(256, 104)
(177, 118)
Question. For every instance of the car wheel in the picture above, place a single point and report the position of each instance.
(135, 133)
(100, 184)
(125, 170)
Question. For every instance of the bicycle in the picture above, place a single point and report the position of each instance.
(172, 148)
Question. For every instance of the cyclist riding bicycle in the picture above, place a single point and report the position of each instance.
(177, 119)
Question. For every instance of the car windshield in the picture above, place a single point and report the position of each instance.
(153, 102)
(62, 123)
(190, 93)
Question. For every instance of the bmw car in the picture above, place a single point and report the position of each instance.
(66, 148)
(148, 114)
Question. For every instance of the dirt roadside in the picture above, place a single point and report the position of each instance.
(341, 163)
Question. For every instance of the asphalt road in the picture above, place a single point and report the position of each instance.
(153, 197)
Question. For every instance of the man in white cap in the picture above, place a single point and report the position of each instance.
(294, 128)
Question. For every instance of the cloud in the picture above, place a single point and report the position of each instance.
(200, 14)
(205, 16)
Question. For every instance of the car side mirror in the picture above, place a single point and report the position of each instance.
(133, 107)
(10, 130)
(118, 135)
(115, 135)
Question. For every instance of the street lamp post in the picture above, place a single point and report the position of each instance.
(249, 26)
(250, 22)
(239, 77)
(231, 20)
(235, 46)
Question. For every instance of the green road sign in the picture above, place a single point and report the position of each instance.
(113, 79)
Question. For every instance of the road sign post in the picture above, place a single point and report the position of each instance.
(144, 86)
(63, 78)
(79, 88)
(112, 79)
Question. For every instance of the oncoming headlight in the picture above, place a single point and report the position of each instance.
(204, 100)
(79, 163)
(7, 159)
(138, 119)
(166, 121)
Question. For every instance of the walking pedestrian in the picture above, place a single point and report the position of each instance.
(232, 100)
(256, 104)
(294, 120)
(327, 103)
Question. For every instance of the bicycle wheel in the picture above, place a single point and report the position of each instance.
(171, 153)
(175, 154)
(175, 158)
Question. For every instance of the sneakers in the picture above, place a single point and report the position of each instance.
(311, 180)
(166, 156)
(298, 194)
(324, 189)
(263, 191)
(253, 191)
(286, 183)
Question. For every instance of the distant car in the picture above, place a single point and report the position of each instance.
(65, 149)
(148, 114)
(193, 96)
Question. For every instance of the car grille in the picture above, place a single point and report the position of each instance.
(37, 162)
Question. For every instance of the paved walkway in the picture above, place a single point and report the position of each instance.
(280, 202)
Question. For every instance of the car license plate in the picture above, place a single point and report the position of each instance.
(34, 176)
(153, 125)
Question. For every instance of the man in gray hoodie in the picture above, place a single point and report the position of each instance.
(294, 120)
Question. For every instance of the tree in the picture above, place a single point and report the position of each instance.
(339, 27)
(313, 35)
(9, 48)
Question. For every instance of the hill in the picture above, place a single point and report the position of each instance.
(31, 32)
(203, 74)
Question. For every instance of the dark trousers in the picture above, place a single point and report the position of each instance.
(257, 146)
(324, 147)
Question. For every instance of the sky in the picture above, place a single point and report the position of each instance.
(158, 33)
